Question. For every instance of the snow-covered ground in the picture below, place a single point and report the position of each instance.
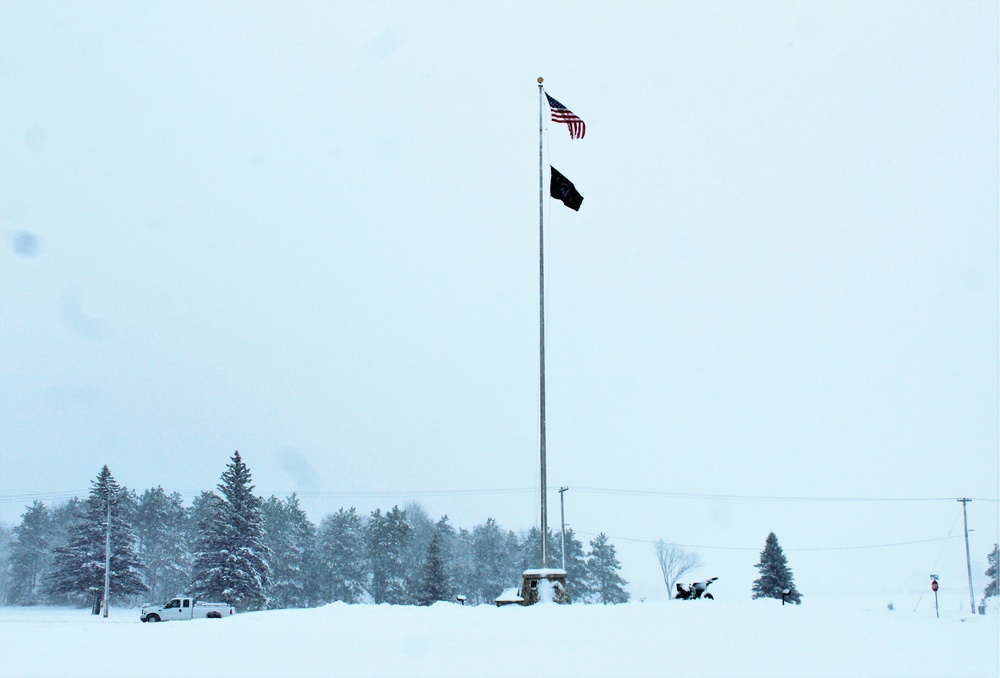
(703, 638)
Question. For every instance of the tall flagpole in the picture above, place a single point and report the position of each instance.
(541, 332)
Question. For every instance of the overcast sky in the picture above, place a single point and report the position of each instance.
(309, 231)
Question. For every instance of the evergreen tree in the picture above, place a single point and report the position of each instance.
(775, 575)
(991, 574)
(31, 555)
(65, 518)
(312, 573)
(531, 549)
(448, 545)
(415, 554)
(434, 586)
(210, 574)
(605, 585)
(230, 563)
(78, 568)
(386, 537)
(577, 583)
(6, 565)
(199, 515)
(283, 584)
(291, 540)
(512, 554)
(161, 527)
(494, 566)
(129, 506)
(449, 539)
(342, 556)
(461, 564)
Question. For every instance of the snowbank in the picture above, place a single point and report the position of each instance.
(703, 638)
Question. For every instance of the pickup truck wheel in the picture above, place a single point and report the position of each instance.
(214, 615)
(152, 618)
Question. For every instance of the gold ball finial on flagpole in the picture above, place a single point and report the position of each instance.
(539, 80)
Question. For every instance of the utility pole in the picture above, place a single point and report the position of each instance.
(107, 559)
(562, 515)
(968, 559)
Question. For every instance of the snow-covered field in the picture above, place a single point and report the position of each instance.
(704, 638)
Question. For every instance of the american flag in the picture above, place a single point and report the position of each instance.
(562, 114)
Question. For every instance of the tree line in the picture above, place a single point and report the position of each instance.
(233, 546)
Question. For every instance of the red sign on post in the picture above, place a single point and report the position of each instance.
(934, 586)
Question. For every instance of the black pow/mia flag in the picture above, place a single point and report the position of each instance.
(563, 189)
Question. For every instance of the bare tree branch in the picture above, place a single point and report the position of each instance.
(675, 562)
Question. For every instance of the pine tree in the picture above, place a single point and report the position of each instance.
(342, 556)
(577, 583)
(291, 540)
(461, 564)
(79, 565)
(449, 539)
(65, 518)
(209, 557)
(307, 553)
(199, 515)
(386, 537)
(6, 570)
(991, 574)
(230, 562)
(512, 549)
(531, 549)
(415, 554)
(605, 585)
(494, 566)
(161, 527)
(775, 575)
(31, 555)
(434, 585)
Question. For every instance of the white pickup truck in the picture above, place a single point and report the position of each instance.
(185, 608)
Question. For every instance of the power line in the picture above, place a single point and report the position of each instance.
(820, 548)
(875, 546)
(751, 497)
(13, 497)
